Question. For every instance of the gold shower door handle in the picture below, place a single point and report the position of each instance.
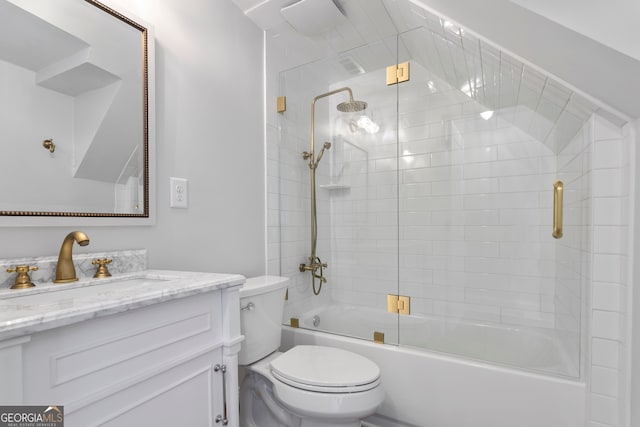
(557, 209)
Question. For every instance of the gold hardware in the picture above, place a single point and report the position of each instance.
(49, 145)
(294, 322)
(404, 305)
(65, 271)
(398, 304)
(314, 266)
(102, 270)
(558, 187)
(392, 303)
(286, 295)
(281, 104)
(378, 337)
(397, 73)
(22, 279)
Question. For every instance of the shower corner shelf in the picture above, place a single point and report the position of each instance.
(334, 186)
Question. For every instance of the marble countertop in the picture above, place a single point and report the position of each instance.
(49, 305)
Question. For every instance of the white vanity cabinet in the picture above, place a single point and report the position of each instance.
(161, 364)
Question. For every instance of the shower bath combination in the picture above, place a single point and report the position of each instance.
(316, 266)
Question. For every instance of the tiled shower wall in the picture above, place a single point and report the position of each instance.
(483, 212)
(606, 363)
(573, 249)
(473, 219)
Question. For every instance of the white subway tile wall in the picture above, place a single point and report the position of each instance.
(470, 201)
(606, 308)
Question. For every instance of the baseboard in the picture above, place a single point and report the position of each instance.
(380, 421)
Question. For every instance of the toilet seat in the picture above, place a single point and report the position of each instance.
(325, 370)
(306, 400)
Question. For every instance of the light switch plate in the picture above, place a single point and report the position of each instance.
(179, 193)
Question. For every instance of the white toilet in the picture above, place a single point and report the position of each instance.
(307, 386)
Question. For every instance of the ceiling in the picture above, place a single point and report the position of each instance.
(551, 88)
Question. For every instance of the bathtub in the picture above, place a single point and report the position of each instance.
(531, 349)
(426, 388)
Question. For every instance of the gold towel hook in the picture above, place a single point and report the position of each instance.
(49, 145)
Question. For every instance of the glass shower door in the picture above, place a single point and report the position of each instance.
(476, 171)
(356, 193)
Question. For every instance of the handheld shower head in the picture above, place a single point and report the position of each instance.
(351, 106)
(325, 146)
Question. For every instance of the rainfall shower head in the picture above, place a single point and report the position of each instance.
(351, 106)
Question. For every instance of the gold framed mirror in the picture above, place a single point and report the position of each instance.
(74, 102)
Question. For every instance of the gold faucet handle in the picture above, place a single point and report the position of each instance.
(22, 279)
(102, 270)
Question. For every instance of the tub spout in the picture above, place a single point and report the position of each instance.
(65, 271)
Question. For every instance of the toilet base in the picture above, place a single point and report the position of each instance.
(259, 408)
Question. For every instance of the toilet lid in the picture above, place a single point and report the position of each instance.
(325, 369)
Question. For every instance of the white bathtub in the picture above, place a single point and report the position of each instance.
(429, 389)
(532, 349)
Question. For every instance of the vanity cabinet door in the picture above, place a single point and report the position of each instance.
(149, 366)
(11, 370)
(187, 395)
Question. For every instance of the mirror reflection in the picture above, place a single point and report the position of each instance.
(73, 110)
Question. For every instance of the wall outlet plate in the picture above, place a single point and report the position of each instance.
(178, 193)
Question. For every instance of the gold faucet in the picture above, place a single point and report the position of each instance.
(65, 271)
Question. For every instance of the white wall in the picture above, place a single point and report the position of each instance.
(209, 130)
(613, 23)
(634, 304)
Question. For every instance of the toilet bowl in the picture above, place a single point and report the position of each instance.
(306, 386)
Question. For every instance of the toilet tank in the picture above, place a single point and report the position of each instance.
(261, 311)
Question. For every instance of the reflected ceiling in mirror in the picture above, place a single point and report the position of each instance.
(73, 110)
